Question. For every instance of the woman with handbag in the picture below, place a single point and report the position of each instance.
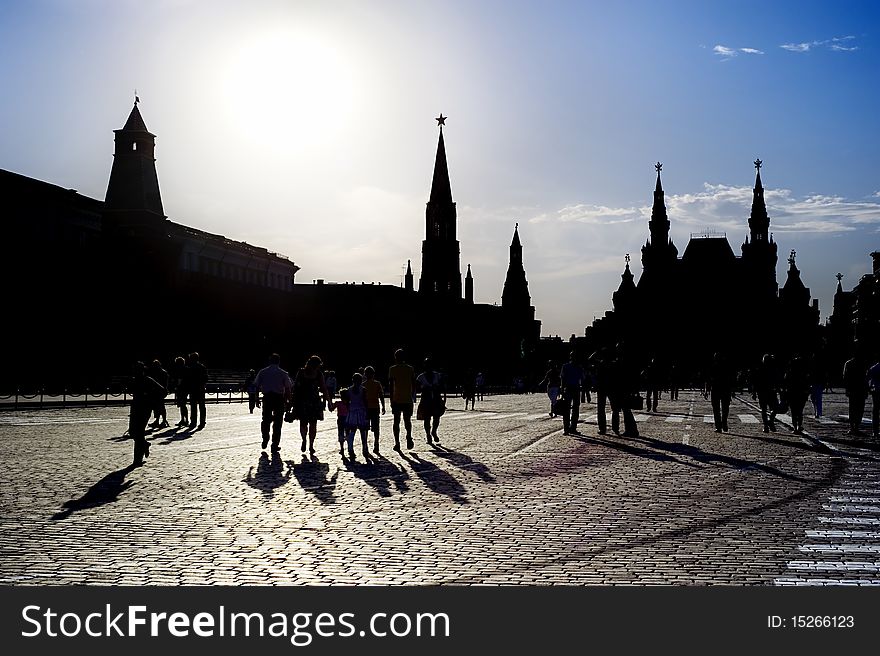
(432, 403)
(310, 396)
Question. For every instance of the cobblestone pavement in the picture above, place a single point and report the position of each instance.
(508, 499)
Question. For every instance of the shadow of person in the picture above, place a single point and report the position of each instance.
(175, 435)
(463, 461)
(312, 475)
(379, 474)
(270, 474)
(107, 490)
(436, 479)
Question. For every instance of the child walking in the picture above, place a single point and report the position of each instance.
(341, 407)
(357, 419)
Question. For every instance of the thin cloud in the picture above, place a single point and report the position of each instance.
(727, 207)
(751, 51)
(835, 43)
(724, 51)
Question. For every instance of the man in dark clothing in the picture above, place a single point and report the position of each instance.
(144, 393)
(197, 381)
(158, 373)
(720, 386)
(572, 375)
(766, 385)
(623, 385)
(600, 365)
(855, 383)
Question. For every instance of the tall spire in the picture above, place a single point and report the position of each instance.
(441, 267)
(441, 192)
(759, 222)
(516, 288)
(408, 277)
(659, 223)
(469, 287)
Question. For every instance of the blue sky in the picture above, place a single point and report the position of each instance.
(307, 127)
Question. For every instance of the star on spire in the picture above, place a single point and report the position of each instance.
(626, 257)
(791, 257)
(136, 99)
(441, 120)
(758, 163)
(839, 277)
(658, 166)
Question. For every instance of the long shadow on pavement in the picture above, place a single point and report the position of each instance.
(463, 461)
(436, 479)
(270, 474)
(633, 450)
(107, 490)
(312, 475)
(380, 474)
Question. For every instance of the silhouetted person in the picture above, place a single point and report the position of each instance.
(673, 382)
(797, 386)
(817, 385)
(402, 386)
(653, 384)
(624, 386)
(357, 419)
(553, 382)
(196, 384)
(375, 399)
(480, 382)
(766, 386)
(144, 393)
(309, 397)
(874, 388)
(253, 392)
(432, 403)
(600, 364)
(572, 377)
(855, 383)
(341, 407)
(332, 384)
(178, 378)
(563, 408)
(720, 384)
(158, 373)
(276, 386)
(469, 390)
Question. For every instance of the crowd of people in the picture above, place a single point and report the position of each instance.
(611, 373)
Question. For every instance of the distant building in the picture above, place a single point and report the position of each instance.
(683, 309)
(854, 324)
(96, 284)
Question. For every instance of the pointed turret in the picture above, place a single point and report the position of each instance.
(516, 287)
(441, 191)
(759, 222)
(658, 253)
(408, 278)
(469, 287)
(794, 291)
(659, 223)
(134, 184)
(441, 266)
(625, 293)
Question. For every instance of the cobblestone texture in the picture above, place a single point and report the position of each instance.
(508, 499)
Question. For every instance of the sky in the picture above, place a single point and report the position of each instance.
(308, 127)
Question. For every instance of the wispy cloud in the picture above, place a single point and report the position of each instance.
(726, 207)
(726, 52)
(837, 44)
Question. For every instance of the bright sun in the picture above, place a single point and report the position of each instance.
(289, 88)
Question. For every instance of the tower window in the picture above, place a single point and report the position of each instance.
(134, 146)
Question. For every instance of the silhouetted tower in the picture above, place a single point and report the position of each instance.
(469, 287)
(798, 319)
(441, 268)
(408, 278)
(759, 249)
(658, 252)
(133, 205)
(515, 295)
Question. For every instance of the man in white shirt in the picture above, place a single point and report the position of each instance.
(276, 386)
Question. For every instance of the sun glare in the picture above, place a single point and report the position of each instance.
(288, 89)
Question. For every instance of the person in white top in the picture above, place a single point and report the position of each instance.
(276, 386)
